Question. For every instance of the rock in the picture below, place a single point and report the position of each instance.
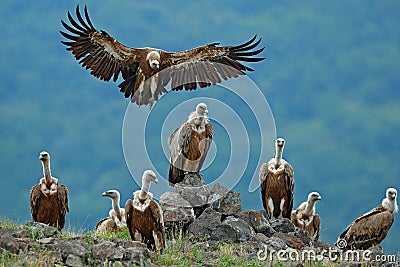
(105, 250)
(290, 240)
(195, 191)
(46, 240)
(73, 260)
(178, 213)
(276, 244)
(283, 225)
(255, 218)
(223, 200)
(303, 236)
(203, 225)
(40, 230)
(73, 246)
(350, 264)
(137, 254)
(259, 238)
(243, 230)
(223, 232)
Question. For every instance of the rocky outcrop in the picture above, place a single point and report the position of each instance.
(33, 240)
(178, 212)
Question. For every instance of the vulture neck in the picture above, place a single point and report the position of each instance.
(115, 205)
(46, 171)
(310, 208)
(145, 189)
(390, 205)
(278, 156)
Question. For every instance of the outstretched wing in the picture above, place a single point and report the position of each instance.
(210, 64)
(35, 195)
(98, 51)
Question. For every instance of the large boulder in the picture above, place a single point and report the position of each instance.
(283, 225)
(256, 219)
(178, 213)
(203, 225)
(195, 191)
(224, 200)
(233, 229)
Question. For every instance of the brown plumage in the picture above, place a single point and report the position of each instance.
(305, 217)
(371, 228)
(48, 199)
(146, 71)
(144, 216)
(277, 184)
(116, 220)
(189, 144)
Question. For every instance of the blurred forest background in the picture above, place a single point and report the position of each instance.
(331, 77)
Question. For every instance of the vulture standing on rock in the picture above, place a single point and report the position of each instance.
(277, 184)
(371, 228)
(116, 220)
(188, 145)
(305, 217)
(147, 71)
(144, 216)
(48, 199)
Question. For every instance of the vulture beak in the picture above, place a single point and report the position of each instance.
(104, 194)
(156, 181)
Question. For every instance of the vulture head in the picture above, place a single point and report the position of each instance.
(113, 194)
(280, 143)
(44, 156)
(314, 197)
(148, 177)
(154, 59)
(390, 201)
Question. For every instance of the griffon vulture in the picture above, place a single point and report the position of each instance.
(371, 228)
(116, 220)
(48, 199)
(146, 71)
(304, 216)
(188, 145)
(277, 184)
(144, 216)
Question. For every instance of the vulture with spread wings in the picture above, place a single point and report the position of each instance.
(147, 71)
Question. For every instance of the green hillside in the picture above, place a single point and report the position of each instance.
(331, 78)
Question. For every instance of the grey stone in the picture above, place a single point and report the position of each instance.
(195, 191)
(243, 230)
(290, 240)
(223, 232)
(283, 225)
(74, 246)
(176, 210)
(40, 230)
(104, 250)
(255, 218)
(276, 244)
(303, 236)
(259, 238)
(73, 260)
(224, 200)
(203, 225)
(46, 240)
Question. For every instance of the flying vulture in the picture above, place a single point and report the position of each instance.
(304, 216)
(116, 220)
(371, 228)
(277, 184)
(146, 71)
(144, 216)
(188, 145)
(48, 199)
